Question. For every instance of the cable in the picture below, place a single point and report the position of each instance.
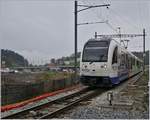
(100, 17)
(94, 10)
(123, 18)
(107, 23)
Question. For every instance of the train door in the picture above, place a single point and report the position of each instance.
(115, 60)
(130, 65)
(122, 71)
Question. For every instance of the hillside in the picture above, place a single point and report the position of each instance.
(12, 59)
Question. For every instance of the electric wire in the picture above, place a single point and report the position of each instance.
(123, 18)
(100, 17)
(118, 17)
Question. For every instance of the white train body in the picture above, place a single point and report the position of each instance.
(105, 62)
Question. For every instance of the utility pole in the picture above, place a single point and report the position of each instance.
(144, 50)
(76, 11)
(75, 37)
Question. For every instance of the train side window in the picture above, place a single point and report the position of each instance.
(114, 59)
(138, 64)
(122, 59)
(130, 62)
(133, 61)
(127, 62)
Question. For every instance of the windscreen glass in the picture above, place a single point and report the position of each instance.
(95, 51)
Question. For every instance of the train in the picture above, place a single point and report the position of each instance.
(104, 62)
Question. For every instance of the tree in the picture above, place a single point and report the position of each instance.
(13, 59)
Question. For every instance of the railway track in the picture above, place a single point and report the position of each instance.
(54, 107)
(59, 105)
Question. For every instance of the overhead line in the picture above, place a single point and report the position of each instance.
(91, 23)
(123, 18)
(107, 23)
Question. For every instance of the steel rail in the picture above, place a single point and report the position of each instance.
(88, 96)
(72, 104)
(82, 95)
(37, 107)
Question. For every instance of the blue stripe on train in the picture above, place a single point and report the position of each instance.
(116, 80)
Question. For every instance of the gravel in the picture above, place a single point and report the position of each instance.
(124, 106)
(104, 113)
(32, 104)
(95, 113)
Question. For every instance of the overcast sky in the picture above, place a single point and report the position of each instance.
(43, 29)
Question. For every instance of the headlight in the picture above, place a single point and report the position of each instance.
(105, 66)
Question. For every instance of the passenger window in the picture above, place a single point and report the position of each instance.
(131, 63)
(114, 59)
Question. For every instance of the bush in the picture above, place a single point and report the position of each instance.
(56, 75)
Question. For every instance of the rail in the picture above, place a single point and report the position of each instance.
(59, 105)
(35, 110)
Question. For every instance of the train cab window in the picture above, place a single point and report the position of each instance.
(114, 58)
(96, 51)
(130, 62)
(122, 59)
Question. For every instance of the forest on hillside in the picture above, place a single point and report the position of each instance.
(12, 59)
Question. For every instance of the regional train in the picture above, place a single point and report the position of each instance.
(104, 62)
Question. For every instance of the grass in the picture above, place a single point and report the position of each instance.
(56, 75)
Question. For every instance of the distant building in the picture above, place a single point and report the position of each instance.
(3, 64)
(67, 62)
(51, 65)
(59, 62)
(53, 61)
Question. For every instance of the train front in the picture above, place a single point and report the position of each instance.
(94, 68)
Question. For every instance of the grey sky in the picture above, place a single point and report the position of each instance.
(42, 29)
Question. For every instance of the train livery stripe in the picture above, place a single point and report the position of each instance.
(116, 80)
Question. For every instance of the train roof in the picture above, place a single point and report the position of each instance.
(109, 40)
